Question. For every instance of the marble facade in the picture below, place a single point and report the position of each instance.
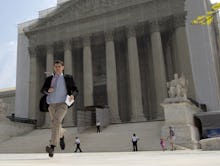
(120, 52)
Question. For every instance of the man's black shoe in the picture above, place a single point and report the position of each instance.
(50, 151)
(62, 143)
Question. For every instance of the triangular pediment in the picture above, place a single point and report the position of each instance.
(74, 10)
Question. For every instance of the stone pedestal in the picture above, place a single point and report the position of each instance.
(179, 113)
(210, 144)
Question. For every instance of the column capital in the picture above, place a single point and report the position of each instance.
(154, 26)
(131, 32)
(50, 48)
(109, 36)
(179, 20)
(67, 44)
(32, 51)
(86, 40)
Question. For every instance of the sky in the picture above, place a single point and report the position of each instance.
(13, 12)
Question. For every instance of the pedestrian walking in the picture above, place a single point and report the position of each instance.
(134, 140)
(56, 89)
(98, 124)
(77, 142)
(171, 137)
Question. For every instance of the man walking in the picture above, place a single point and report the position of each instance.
(98, 124)
(57, 87)
(77, 142)
(134, 141)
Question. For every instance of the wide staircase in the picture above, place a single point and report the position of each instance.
(116, 137)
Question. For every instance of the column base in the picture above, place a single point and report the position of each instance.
(140, 118)
(115, 120)
(68, 124)
(47, 120)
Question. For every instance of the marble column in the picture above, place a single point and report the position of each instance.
(169, 62)
(158, 67)
(49, 60)
(182, 52)
(68, 58)
(134, 77)
(68, 69)
(49, 70)
(33, 106)
(87, 72)
(111, 73)
(175, 59)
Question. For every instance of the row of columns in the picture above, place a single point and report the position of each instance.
(68, 121)
(137, 113)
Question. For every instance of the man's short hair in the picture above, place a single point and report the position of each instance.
(58, 62)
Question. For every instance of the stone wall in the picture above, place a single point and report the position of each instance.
(87, 117)
(8, 97)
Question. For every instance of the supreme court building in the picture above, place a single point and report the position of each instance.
(121, 54)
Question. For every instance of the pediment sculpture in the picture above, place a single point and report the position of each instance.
(76, 10)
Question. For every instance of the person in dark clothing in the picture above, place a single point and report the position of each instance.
(77, 142)
(98, 124)
(134, 141)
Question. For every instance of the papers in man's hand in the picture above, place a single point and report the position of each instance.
(69, 101)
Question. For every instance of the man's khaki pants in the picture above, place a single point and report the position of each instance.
(57, 114)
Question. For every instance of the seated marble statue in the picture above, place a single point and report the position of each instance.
(177, 87)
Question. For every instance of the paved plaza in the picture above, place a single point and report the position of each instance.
(159, 158)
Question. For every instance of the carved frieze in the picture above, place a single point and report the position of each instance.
(82, 9)
(90, 16)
